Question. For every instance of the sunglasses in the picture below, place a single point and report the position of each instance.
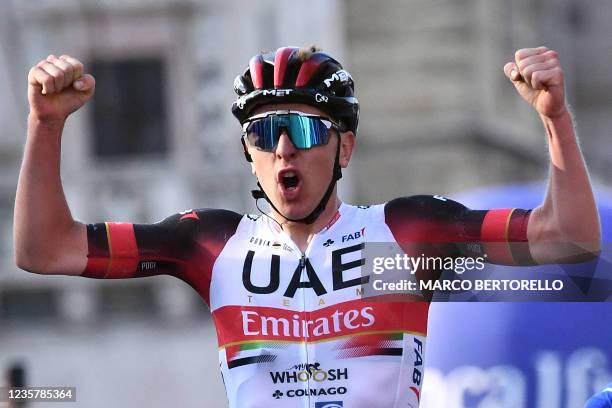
(305, 130)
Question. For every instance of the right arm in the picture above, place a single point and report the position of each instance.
(47, 239)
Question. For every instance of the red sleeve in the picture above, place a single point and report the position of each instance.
(112, 251)
(185, 245)
(455, 230)
(503, 234)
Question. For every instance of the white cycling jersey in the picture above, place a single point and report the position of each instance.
(297, 333)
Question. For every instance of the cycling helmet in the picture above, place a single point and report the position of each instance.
(297, 75)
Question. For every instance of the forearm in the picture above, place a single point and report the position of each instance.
(569, 213)
(43, 224)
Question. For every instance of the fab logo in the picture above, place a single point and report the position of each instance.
(354, 235)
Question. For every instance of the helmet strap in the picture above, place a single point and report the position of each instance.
(312, 217)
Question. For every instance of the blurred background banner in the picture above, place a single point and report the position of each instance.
(158, 138)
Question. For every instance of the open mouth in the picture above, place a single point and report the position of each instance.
(290, 180)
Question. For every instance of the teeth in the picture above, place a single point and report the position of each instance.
(289, 174)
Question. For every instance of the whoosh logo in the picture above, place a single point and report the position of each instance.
(311, 373)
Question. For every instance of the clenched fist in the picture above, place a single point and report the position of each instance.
(537, 76)
(57, 87)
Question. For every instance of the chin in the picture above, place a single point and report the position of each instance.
(294, 209)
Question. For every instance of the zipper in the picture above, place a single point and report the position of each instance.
(302, 266)
(305, 311)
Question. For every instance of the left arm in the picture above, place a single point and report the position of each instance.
(565, 227)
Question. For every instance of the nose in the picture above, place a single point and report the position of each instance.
(285, 148)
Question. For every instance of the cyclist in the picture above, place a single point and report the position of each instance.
(285, 289)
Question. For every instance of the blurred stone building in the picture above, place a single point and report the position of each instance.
(437, 107)
(438, 116)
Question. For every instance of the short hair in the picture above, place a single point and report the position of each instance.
(305, 52)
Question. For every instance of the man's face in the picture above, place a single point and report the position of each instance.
(295, 180)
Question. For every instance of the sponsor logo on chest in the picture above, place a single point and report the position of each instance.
(355, 235)
(304, 275)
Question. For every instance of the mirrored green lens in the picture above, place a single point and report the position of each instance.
(305, 132)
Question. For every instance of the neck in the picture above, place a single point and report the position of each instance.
(302, 233)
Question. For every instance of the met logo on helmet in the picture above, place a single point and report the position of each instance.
(340, 75)
(241, 102)
(277, 92)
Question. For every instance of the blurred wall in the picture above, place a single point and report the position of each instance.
(437, 107)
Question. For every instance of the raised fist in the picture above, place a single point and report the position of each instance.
(57, 87)
(537, 76)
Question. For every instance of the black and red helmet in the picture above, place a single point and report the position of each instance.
(297, 75)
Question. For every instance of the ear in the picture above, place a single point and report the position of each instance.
(347, 143)
(253, 169)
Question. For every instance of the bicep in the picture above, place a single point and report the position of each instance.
(545, 245)
(71, 258)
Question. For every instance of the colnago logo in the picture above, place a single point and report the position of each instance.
(256, 324)
(310, 392)
(311, 372)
